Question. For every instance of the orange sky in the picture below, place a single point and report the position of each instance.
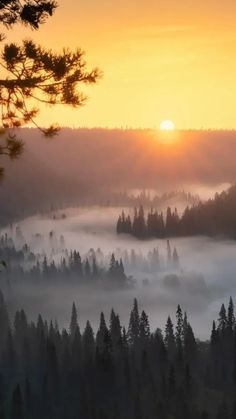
(162, 59)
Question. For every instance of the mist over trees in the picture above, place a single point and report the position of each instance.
(118, 372)
(24, 266)
(112, 367)
(216, 217)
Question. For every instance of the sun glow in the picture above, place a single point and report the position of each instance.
(167, 126)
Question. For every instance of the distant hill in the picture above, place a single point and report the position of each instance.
(83, 165)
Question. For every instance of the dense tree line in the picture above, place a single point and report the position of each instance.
(23, 264)
(145, 198)
(215, 217)
(70, 269)
(117, 373)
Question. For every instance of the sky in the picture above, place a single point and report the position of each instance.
(161, 59)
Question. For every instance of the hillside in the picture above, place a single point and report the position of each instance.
(83, 164)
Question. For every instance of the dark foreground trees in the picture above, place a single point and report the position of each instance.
(116, 373)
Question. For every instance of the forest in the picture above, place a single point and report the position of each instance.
(118, 218)
(117, 372)
(215, 217)
(60, 265)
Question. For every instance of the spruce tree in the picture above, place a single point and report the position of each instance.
(230, 317)
(73, 321)
(144, 328)
(102, 334)
(115, 331)
(222, 321)
(170, 338)
(179, 333)
(134, 324)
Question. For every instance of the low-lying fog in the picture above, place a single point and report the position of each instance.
(206, 279)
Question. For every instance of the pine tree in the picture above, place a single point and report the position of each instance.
(230, 317)
(73, 321)
(102, 334)
(179, 324)
(190, 345)
(115, 331)
(179, 333)
(112, 267)
(134, 324)
(222, 321)
(214, 335)
(88, 342)
(144, 328)
(170, 338)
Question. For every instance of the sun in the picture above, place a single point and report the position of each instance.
(167, 126)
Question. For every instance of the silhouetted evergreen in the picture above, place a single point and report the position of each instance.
(216, 217)
(52, 373)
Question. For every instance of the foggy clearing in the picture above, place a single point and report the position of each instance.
(205, 278)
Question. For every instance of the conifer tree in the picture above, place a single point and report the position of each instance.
(112, 267)
(179, 330)
(134, 324)
(230, 317)
(115, 331)
(101, 334)
(190, 345)
(73, 321)
(222, 321)
(144, 328)
(88, 342)
(170, 338)
(214, 334)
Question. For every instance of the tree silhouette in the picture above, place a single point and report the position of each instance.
(28, 12)
(73, 321)
(115, 377)
(31, 73)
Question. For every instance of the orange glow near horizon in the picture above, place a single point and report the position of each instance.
(172, 58)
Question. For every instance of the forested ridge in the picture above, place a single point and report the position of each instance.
(132, 373)
(215, 217)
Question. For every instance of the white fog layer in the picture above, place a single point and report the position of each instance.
(205, 278)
